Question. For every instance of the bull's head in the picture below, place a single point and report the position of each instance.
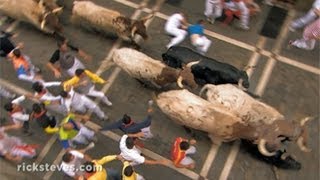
(284, 130)
(186, 76)
(50, 20)
(139, 27)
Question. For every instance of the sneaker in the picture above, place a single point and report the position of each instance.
(210, 20)
(244, 27)
(291, 29)
(150, 103)
(106, 118)
(268, 2)
(108, 103)
(94, 139)
(90, 146)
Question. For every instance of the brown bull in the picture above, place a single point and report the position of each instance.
(40, 13)
(144, 68)
(104, 20)
(263, 124)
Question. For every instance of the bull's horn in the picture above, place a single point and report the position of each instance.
(192, 63)
(263, 150)
(240, 84)
(147, 17)
(40, 3)
(302, 146)
(203, 89)
(56, 10)
(43, 22)
(304, 120)
(133, 31)
(179, 82)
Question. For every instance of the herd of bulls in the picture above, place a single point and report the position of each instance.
(223, 110)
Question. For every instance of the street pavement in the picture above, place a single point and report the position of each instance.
(290, 83)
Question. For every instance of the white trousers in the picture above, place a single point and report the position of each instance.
(147, 133)
(187, 160)
(99, 94)
(213, 9)
(304, 20)
(76, 65)
(202, 44)
(241, 6)
(5, 93)
(179, 35)
(304, 44)
(83, 136)
(84, 104)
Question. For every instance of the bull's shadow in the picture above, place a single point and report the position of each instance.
(156, 88)
(280, 162)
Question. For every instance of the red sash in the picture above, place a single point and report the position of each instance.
(177, 154)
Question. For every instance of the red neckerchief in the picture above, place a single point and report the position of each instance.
(44, 91)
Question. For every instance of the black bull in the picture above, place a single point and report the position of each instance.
(208, 70)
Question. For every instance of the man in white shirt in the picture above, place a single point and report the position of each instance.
(73, 159)
(18, 115)
(131, 153)
(176, 26)
(81, 103)
(43, 95)
(307, 18)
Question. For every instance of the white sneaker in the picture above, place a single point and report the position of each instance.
(108, 103)
(291, 29)
(244, 27)
(90, 146)
(210, 20)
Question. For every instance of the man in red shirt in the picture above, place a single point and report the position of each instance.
(181, 148)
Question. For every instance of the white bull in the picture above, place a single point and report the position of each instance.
(231, 114)
(41, 14)
(92, 16)
(146, 69)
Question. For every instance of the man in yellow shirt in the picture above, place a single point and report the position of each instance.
(128, 172)
(83, 83)
(95, 171)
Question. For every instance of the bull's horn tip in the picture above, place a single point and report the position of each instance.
(263, 150)
(305, 120)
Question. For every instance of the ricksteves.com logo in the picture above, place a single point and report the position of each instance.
(53, 167)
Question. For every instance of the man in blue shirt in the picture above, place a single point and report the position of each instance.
(197, 37)
(128, 126)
